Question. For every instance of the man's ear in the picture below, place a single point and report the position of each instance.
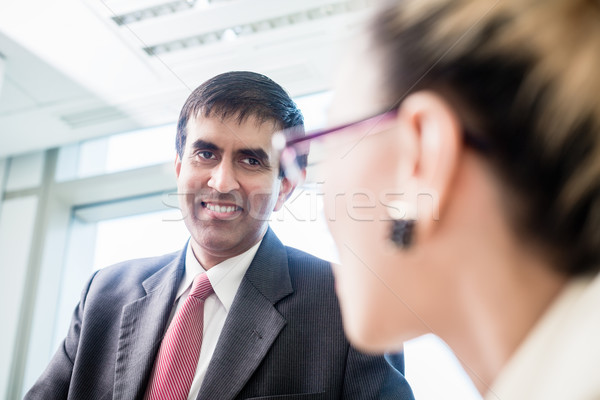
(436, 133)
(286, 188)
(177, 165)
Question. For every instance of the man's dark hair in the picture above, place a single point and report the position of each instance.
(240, 94)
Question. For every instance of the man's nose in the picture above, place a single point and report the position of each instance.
(223, 178)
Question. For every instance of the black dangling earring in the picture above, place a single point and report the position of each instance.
(403, 233)
(402, 214)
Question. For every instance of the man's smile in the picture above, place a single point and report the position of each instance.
(221, 210)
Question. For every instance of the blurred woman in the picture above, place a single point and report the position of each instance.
(469, 161)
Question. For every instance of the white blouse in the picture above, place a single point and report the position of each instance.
(560, 357)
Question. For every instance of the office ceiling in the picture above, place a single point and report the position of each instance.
(77, 69)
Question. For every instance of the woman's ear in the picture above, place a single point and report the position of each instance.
(435, 136)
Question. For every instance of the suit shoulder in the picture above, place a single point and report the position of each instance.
(301, 257)
(305, 266)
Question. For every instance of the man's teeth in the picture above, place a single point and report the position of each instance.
(220, 209)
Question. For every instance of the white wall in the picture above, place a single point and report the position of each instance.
(2, 68)
(20, 182)
(2, 175)
(25, 172)
(16, 231)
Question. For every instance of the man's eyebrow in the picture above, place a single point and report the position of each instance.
(204, 145)
(256, 153)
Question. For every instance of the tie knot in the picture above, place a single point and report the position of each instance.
(201, 287)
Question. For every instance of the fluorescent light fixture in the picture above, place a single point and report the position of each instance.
(229, 35)
(171, 7)
(233, 32)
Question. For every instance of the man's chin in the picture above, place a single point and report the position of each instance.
(220, 247)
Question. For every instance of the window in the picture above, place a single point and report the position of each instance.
(138, 236)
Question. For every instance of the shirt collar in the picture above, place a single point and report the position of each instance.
(224, 277)
(568, 317)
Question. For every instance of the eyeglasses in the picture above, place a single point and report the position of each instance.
(293, 146)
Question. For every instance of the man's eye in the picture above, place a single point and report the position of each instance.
(251, 161)
(207, 155)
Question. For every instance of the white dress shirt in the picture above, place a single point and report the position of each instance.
(225, 279)
(560, 358)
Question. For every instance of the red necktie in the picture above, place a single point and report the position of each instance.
(177, 358)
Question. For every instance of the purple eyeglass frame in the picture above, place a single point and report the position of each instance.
(288, 153)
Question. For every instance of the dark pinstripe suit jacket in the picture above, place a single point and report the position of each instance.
(282, 339)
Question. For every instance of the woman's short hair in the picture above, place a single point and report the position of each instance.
(525, 75)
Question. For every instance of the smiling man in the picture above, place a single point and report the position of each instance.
(228, 181)
(235, 314)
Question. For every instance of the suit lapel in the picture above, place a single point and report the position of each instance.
(253, 323)
(143, 323)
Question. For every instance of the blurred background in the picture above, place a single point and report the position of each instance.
(90, 91)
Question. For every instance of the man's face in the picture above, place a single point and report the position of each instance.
(228, 185)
